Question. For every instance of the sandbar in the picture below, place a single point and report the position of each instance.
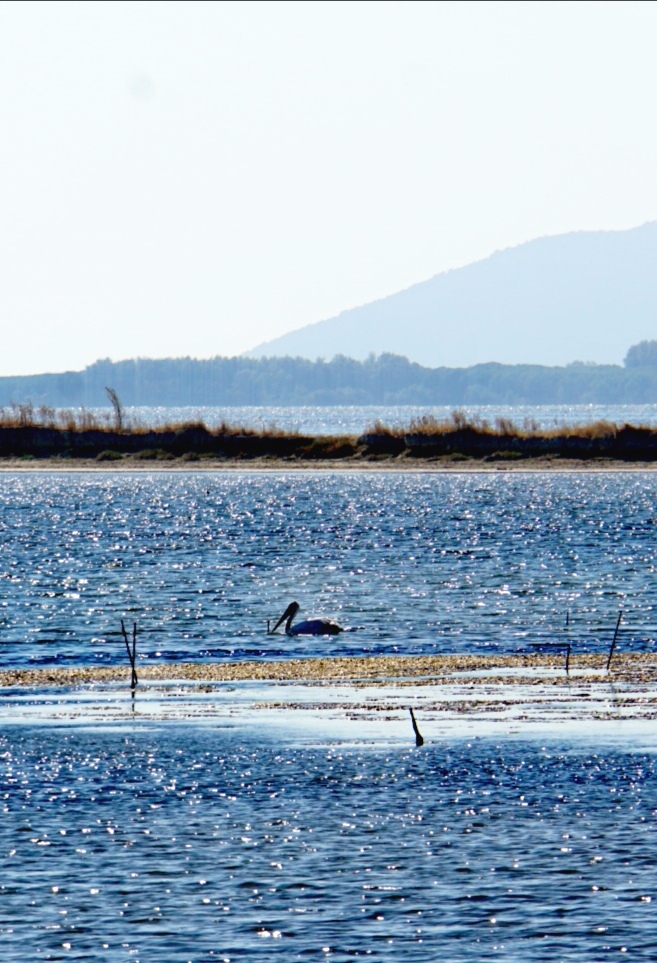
(355, 699)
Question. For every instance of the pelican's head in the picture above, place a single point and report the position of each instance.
(289, 613)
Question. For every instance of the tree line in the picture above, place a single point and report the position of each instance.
(386, 379)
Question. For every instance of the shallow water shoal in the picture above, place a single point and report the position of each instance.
(354, 700)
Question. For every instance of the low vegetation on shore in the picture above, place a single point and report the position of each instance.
(44, 433)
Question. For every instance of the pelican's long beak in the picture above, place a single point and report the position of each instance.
(280, 621)
(290, 610)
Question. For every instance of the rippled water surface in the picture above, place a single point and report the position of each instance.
(187, 841)
(354, 419)
(410, 562)
(200, 845)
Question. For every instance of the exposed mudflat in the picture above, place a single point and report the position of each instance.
(354, 698)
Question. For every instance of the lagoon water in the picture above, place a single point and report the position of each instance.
(198, 845)
(200, 842)
(356, 419)
(413, 563)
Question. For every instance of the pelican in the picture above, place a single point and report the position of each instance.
(308, 626)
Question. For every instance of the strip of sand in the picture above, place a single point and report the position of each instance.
(384, 464)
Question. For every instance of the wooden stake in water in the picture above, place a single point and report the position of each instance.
(419, 741)
(613, 641)
(132, 655)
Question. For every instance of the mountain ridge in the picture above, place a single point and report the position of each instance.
(584, 295)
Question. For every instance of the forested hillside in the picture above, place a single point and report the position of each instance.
(387, 379)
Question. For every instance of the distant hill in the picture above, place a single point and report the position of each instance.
(583, 296)
(386, 380)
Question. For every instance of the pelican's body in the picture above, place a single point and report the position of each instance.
(308, 626)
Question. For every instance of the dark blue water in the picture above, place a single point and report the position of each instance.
(188, 844)
(185, 842)
(414, 563)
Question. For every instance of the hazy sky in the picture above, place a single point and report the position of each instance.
(193, 178)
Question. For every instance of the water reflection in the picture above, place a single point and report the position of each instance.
(413, 563)
(192, 844)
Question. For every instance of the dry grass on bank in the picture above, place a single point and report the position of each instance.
(501, 427)
(26, 415)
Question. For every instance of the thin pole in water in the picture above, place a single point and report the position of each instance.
(132, 655)
(419, 741)
(134, 658)
(613, 641)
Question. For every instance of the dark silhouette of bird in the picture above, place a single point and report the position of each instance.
(319, 626)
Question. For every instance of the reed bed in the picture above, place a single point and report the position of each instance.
(28, 432)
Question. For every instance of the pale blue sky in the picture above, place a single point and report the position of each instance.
(195, 178)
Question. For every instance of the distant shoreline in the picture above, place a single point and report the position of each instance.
(384, 380)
